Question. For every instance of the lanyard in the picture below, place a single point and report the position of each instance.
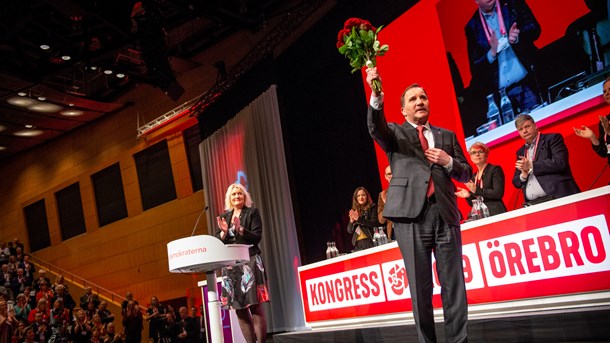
(535, 148)
(479, 181)
(486, 28)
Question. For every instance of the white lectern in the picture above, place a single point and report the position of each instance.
(206, 254)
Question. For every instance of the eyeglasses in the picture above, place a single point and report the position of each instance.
(477, 152)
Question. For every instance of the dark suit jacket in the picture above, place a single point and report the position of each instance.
(250, 219)
(551, 167)
(367, 222)
(492, 191)
(411, 171)
(485, 74)
(602, 148)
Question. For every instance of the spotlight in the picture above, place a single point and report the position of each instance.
(120, 75)
(42, 98)
(45, 47)
(66, 57)
(107, 71)
(21, 94)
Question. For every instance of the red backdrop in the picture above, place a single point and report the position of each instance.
(418, 54)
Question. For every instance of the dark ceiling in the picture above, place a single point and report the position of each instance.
(55, 56)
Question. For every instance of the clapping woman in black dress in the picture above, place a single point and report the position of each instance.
(244, 287)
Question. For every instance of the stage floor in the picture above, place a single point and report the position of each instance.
(583, 325)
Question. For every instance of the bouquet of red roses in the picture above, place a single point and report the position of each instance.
(357, 41)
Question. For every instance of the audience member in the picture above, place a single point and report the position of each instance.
(542, 169)
(189, 327)
(5, 252)
(20, 282)
(7, 278)
(44, 292)
(381, 205)
(104, 313)
(82, 330)
(600, 144)
(66, 298)
(111, 335)
(19, 333)
(28, 268)
(423, 206)
(155, 315)
(8, 322)
(198, 324)
(362, 219)
(487, 183)
(22, 308)
(89, 297)
(170, 329)
(242, 224)
(128, 298)
(41, 327)
(42, 310)
(133, 323)
(501, 50)
(59, 280)
(41, 278)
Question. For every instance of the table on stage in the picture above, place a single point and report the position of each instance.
(554, 255)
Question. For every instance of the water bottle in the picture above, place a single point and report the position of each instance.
(475, 213)
(384, 237)
(334, 250)
(328, 251)
(507, 108)
(493, 113)
(484, 209)
(375, 237)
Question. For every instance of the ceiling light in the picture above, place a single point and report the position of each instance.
(42, 98)
(21, 101)
(45, 47)
(21, 94)
(45, 107)
(107, 71)
(66, 57)
(93, 68)
(71, 104)
(71, 113)
(28, 133)
(29, 126)
(120, 75)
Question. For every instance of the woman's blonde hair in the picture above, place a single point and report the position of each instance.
(228, 205)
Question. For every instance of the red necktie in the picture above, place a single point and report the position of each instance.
(424, 145)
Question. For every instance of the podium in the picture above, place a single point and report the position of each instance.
(206, 254)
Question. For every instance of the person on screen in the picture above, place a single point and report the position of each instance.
(599, 144)
(488, 182)
(381, 204)
(501, 51)
(542, 169)
(422, 203)
(362, 219)
(242, 224)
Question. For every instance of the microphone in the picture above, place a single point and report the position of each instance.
(598, 176)
(197, 222)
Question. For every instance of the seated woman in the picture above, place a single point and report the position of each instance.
(488, 182)
(362, 219)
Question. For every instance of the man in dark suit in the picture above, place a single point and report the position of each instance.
(542, 169)
(501, 51)
(423, 206)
